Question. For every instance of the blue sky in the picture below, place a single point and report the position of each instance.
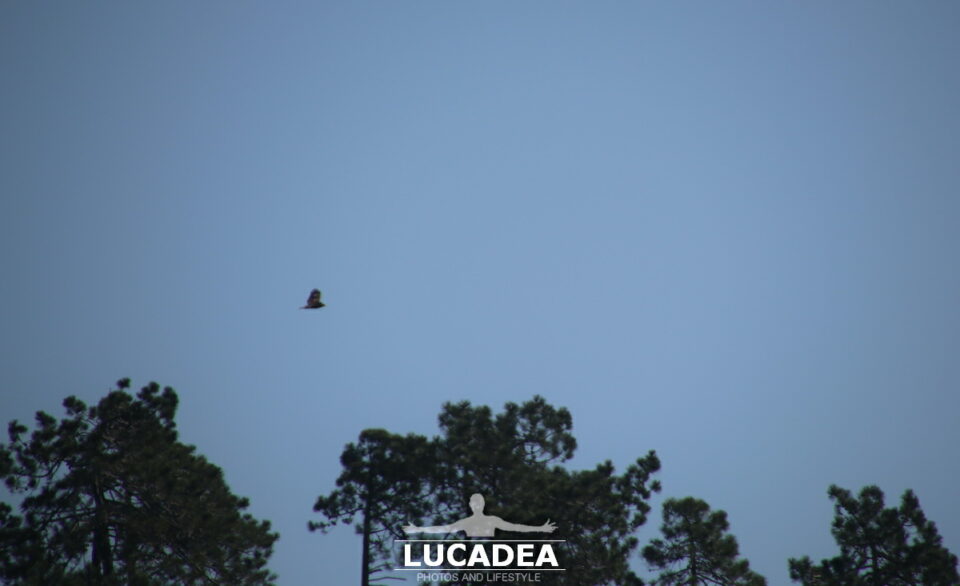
(724, 231)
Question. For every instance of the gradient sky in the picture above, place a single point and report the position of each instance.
(727, 231)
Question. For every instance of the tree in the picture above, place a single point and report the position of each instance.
(513, 460)
(599, 512)
(696, 549)
(110, 496)
(880, 546)
(383, 482)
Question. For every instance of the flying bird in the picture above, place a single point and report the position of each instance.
(313, 302)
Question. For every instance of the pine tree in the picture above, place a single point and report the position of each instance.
(112, 497)
(383, 483)
(880, 546)
(696, 548)
(513, 459)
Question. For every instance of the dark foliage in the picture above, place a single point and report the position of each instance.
(880, 546)
(514, 459)
(110, 496)
(383, 483)
(696, 548)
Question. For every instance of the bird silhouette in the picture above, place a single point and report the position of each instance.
(313, 302)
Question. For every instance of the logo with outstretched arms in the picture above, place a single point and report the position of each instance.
(481, 556)
(480, 525)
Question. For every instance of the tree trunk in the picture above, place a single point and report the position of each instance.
(365, 556)
(694, 573)
(102, 556)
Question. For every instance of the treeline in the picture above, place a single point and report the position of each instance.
(109, 495)
(515, 460)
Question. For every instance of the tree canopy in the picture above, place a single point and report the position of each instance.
(696, 548)
(880, 546)
(383, 483)
(514, 459)
(110, 496)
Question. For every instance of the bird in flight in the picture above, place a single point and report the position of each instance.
(313, 302)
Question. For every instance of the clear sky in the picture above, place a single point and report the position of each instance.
(727, 231)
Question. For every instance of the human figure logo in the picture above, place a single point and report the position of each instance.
(481, 556)
(480, 525)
